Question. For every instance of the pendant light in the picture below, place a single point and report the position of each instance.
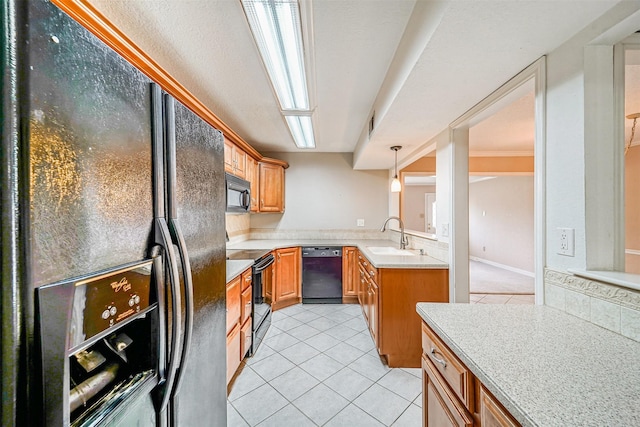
(634, 117)
(395, 184)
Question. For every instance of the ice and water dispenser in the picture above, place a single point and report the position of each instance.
(99, 343)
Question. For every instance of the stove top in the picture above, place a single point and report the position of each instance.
(253, 254)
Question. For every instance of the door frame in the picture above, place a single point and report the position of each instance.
(459, 179)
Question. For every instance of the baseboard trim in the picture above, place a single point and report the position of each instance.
(503, 266)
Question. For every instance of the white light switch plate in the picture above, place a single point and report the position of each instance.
(360, 222)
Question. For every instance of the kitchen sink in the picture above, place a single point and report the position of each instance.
(388, 250)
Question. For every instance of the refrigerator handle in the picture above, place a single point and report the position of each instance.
(188, 301)
(176, 314)
(176, 233)
(163, 238)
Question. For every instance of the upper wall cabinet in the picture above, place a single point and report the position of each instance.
(235, 159)
(271, 187)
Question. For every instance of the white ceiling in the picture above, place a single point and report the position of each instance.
(419, 65)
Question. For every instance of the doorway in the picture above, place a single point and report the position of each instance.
(499, 162)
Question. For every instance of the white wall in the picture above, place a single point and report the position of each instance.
(501, 221)
(322, 191)
(413, 213)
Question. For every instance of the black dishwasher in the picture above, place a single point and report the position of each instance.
(322, 275)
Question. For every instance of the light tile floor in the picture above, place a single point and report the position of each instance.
(501, 299)
(318, 366)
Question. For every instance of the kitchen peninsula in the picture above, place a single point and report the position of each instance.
(528, 365)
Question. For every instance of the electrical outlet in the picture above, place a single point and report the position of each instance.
(566, 241)
(445, 230)
(360, 222)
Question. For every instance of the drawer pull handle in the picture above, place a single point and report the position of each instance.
(440, 361)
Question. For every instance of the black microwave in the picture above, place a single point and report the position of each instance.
(238, 193)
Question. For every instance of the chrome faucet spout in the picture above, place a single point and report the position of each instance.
(403, 239)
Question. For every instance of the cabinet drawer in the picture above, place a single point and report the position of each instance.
(233, 303)
(247, 278)
(245, 338)
(441, 406)
(245, 311)
(369, 269)
(453, 371)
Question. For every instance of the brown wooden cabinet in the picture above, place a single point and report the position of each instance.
(388, 297)
(234, 159)
(238, 302)
(253, 176)
(287, 278)
(492, 413)
(452, 395)
(350, 274)
(271, 184)
(440, 407)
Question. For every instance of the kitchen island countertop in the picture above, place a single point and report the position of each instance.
(416, 261)
(546, 367)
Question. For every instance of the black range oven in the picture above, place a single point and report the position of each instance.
(261, 289)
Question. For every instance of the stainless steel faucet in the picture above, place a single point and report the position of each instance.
(403, 239)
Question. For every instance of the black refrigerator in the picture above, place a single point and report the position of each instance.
(112, 244)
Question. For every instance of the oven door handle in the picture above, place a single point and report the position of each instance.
(263, 263)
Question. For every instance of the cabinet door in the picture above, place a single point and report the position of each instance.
(374, 324)
(228, 156)
(245, 311)
(233, 352)
(492, 414)
(233, 303)
(252, 174)
(246, 338)
(287, 274)
(440, 407)
(271, 188)
(240, 160)
(350, 273)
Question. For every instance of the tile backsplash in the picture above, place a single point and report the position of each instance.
(609, 306)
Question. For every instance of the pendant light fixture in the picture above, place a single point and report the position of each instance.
(634, 117)
(395, 184)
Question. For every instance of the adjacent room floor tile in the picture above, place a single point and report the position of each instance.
(341, 333)
(294, 383)
(322, 323)
(320, 403)
(263, 352)
(259, 404)
(305, 316)
(352, 416)
(289, 416)
(357, 324)
(382, 404)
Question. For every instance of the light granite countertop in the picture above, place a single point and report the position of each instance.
(378, 261)
(546, 367)
(236, 267)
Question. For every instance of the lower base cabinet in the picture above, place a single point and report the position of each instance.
(388, 297)
(451, 394)
(233, 352)
(238, 297)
